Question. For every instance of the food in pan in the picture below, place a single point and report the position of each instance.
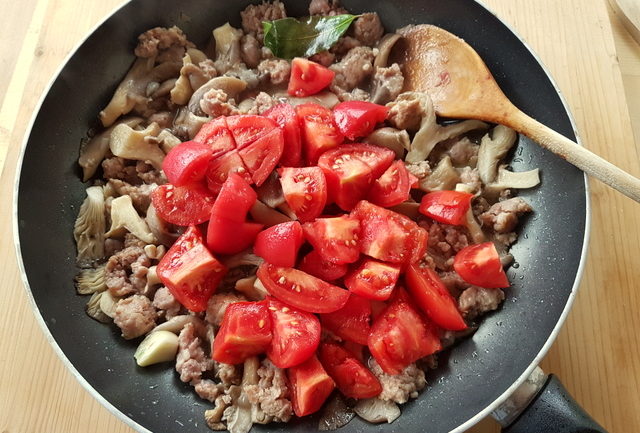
(280, 219)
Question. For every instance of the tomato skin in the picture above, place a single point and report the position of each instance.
(305, 191)
(296, 334)
(373, 280)
(217, 136)
(314, 264)
(220, 167)
(433, 298)
(302, 290)
(262, 156)
(230, 237)
(352, 378)
(310, 386)
(480, 265)
(449, 207)
(308, 78)
(400, 336)
(246, 128)
(190, 271)
(350, 170)
(235, 199)
(285, 116)
(357, 119)
(389, 236)
(335, 239)
(279, 244)
(183, 205)
(318, 131)
(393, 187)
(187, 163)
(245, 331)
(351, 322)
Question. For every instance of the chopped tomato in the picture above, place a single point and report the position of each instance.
(220, 167)
(183, 205)
(302, 290)
(388, 236)
(245, 331)
(296, 334)
(314, 264)
(433, 298)
(319, 133)
(187, 163)
(226, 236)
(190, 271)
(393, 187)
(335, 239)
(279, 244)
(235, 199)
(351, 322)
(247, 129)
(480, 265)
(310, 386)
(357, 119)
(262, 156)
(308, 78)
(305, 190)
(217, 136)
(285, 116)
(350, 170)
(352, 378)
(373, 280)
(400, 336)
(449, 207)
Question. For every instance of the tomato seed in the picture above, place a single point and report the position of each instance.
(261, 323)
(282, 280)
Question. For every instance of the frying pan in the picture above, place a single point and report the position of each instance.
(473, 378)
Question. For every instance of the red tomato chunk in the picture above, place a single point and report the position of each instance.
(183, 205)
(314, 264)
(352, 378)
(190, 271)
(433, 298)
(305, 191)
(373, 280)
(480, 265)
(308, 78)
(245, 331)
(356, 119)
(235, 199)
(351, 322)
(310, 386)
(319, 133)
(302, 290)
(296, 334)
(187, 163)
(335, 239)
(449, 207)
(285, 116)
(279, 244)
(393, 187)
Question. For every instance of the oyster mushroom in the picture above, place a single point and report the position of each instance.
(187, 124)
(376, 411)
(192, 77)
(508, 179)
(108, 303)
(175, 324)
(384, 49)
(125, 218)
(227, 40)
(414, 111)
(94, 151)
(93, 308)
(231, 86)
(167, 140)
(162, 230)
(131, 144)
(493, 147)
(444, 177)
(89, 228)
(91, 280)
(391, 138)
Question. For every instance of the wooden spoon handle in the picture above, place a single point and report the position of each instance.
(577, 155)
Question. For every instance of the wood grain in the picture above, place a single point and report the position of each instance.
(597, 354)
(628, 12)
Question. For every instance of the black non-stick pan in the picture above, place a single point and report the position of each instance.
(473, 378)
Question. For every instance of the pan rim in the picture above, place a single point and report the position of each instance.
(486, 411)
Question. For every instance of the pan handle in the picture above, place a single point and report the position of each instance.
(552, 409)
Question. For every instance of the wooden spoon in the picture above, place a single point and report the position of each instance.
(461, 86)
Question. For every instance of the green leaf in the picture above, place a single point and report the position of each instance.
(288, 38)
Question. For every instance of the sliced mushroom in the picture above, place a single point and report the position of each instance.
(167, 140)
(108, 303)
(509, 179)
(155, 252)
(93, 308)
(131, 144)
(376, 411)
(444, 177)
(125, 218)
(493, 147)
(430, 132)
(230, 85)
(227, 40)
(90, 281)
(270, 192)
(196, 55)
(241, 414)
(182, 91)
(187, 124)
(263, 214)
(408, 208)
(177, 323)
(94, 151)
(243, 258)
(153, 281)
(162, 230)
(395, 139)
(384, 49)
(325, 98)
(475, 230)
(89, 227)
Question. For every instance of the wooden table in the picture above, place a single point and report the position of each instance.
(597, 66)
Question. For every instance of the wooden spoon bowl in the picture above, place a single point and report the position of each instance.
(461, 86)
